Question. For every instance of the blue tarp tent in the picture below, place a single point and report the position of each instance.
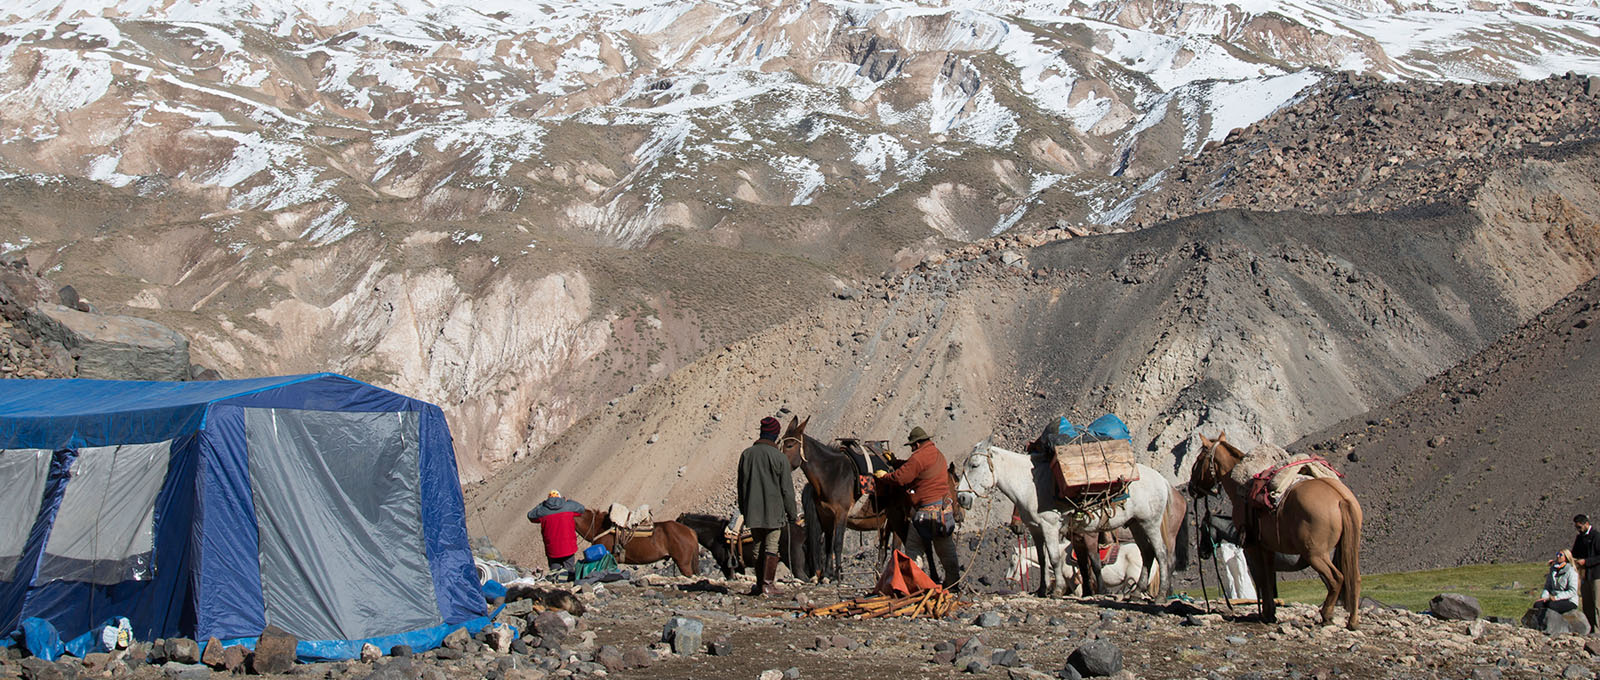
(319, 504)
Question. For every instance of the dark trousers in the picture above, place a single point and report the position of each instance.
(567, 563)
(1586, 593)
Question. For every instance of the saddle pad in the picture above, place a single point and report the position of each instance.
(1093, 466)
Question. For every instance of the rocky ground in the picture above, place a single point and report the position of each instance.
(723, 634)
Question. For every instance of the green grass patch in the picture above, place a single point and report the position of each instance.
(1502, 589)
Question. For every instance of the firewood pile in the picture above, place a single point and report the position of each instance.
(932, 603)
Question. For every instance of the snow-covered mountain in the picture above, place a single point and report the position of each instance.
(279, 165)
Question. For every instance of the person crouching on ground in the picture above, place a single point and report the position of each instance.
(933, 521)
(557, 519)
(766, 498)
(1560, 594)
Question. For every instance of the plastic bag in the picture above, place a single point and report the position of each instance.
(41, 639)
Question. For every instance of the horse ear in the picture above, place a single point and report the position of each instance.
(1222, 436)
(1204, 443)
(804, 423)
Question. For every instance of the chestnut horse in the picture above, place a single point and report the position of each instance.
(667, 539)
(1318, 519)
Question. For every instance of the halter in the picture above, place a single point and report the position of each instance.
(1213, 467)
(988, 456)
(798, 442)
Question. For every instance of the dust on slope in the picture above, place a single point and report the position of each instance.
(1488, 460)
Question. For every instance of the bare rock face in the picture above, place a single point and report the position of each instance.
(114, 347)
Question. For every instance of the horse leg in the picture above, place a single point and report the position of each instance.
(1349, 559)
(1044, 562)
(1331, 579)
(1259, 558)
(1052, 548)
(841, 524)
(1152, 542)
(1087, 546)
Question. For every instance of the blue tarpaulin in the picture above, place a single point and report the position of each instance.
(317, 503)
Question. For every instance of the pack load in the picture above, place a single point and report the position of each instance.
(1095, 460)
(1267, 472)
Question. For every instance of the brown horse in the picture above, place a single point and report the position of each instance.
(667, 539)
(1318, 519)
(1086, 547)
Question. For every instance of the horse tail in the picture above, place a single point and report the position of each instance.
(1349, 558)
(813, 516)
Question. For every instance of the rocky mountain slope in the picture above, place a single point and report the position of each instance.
(1268, 325)
(520, 210)
(1489, 459)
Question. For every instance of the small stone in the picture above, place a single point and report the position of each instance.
(945, 657)
(370, 652)
(235, 658)
(791, 673)
(1576, 672)
(1056, 622)
(1455, 607)
(684, 634)
(457, 639)
(1006, 658)
(977, 665)
(611, 657)
(448, 653)
(212, 656)
(499, 640)
(550, 628)
(1097, 658)
(1592, 646)
(771, 674)
(988, 620)
(183, 650)
(847, 643)
(186, 671)
(1235, 639)
(720, 647)
(972, 646)
(638, 657)
(400, 651)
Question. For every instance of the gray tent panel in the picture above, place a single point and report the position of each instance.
(103, 529)
(338, 508)
(23, 473)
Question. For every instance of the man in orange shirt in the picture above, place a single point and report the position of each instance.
(933, 522)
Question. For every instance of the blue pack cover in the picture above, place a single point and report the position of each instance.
(41, 638)
(1109, 426)
(1060, 431)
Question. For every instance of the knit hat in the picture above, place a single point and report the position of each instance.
(555, 494)
(770, 428)
(917, 435)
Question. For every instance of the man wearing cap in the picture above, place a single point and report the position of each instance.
(557, 518)
(766, 498)
(925, 477)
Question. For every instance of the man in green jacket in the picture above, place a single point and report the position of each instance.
(766, 497)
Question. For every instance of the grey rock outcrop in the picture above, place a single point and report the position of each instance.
(113, 347)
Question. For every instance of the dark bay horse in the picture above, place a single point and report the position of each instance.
(667, 539)
(711, 531)
(1318, 519)
(832, 490)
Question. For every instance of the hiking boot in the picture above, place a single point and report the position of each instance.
(769, 576)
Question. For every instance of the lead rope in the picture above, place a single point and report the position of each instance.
(1218, 568)
(1200, 566)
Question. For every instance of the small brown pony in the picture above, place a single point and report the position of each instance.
(667, 539)
(1318, 519)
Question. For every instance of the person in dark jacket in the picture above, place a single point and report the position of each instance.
(766, 498)
(557, 518)
(925, 476)
(1586, 558)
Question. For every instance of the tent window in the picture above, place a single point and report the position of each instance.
(23, 473)
(104, 530)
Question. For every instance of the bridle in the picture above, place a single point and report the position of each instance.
(1213, 470)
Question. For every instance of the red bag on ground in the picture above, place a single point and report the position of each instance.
(902, 577)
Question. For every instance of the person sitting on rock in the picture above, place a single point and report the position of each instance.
(557, 519)
(1560, 594)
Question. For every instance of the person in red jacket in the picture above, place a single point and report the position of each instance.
(933, 521)
(557, 518)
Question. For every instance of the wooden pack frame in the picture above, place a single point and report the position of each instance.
(1093, 466)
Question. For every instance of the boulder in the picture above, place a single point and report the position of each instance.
(684, 634)
(111, 346)
(275, 652)
(186, 671)
(1455, 607)
(1551, 623)
(370, 652)
(457, 639)
(611, 657)
(1096, 658)
(34, 668)
(551, 629)
(638, 657)
(988, 620)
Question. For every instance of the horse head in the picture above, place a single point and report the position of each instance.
(978, 477)
(1215, 460)
(793, 442)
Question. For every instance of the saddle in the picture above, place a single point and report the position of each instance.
(1267, 472)
(631, 524)
(868, 455)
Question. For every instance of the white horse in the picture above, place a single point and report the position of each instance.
(1031, 489)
